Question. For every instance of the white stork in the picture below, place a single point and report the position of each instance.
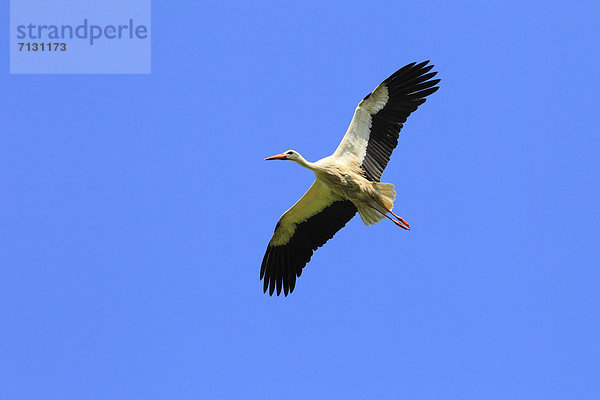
(348, 180)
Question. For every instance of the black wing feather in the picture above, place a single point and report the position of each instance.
(282, 264)
(407, 89)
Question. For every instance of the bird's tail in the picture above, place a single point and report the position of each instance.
(386, 194)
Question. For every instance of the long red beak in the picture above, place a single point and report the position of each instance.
(282, 156)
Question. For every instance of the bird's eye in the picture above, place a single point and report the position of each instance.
(289, 153)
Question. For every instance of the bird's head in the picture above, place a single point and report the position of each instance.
(288, 155)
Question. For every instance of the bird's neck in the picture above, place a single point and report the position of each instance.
(306, 164)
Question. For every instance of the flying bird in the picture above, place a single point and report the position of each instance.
(348, 180)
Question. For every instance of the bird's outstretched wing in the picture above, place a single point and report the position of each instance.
(305, 227)
(373, 132)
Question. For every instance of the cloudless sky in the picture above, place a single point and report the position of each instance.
(135, 210)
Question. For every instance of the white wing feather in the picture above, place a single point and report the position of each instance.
(353, 146)
(317, 198)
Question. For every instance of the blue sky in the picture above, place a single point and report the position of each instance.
(136, 210)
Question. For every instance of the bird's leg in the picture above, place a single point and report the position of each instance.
(399, 223)
(391, 212)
